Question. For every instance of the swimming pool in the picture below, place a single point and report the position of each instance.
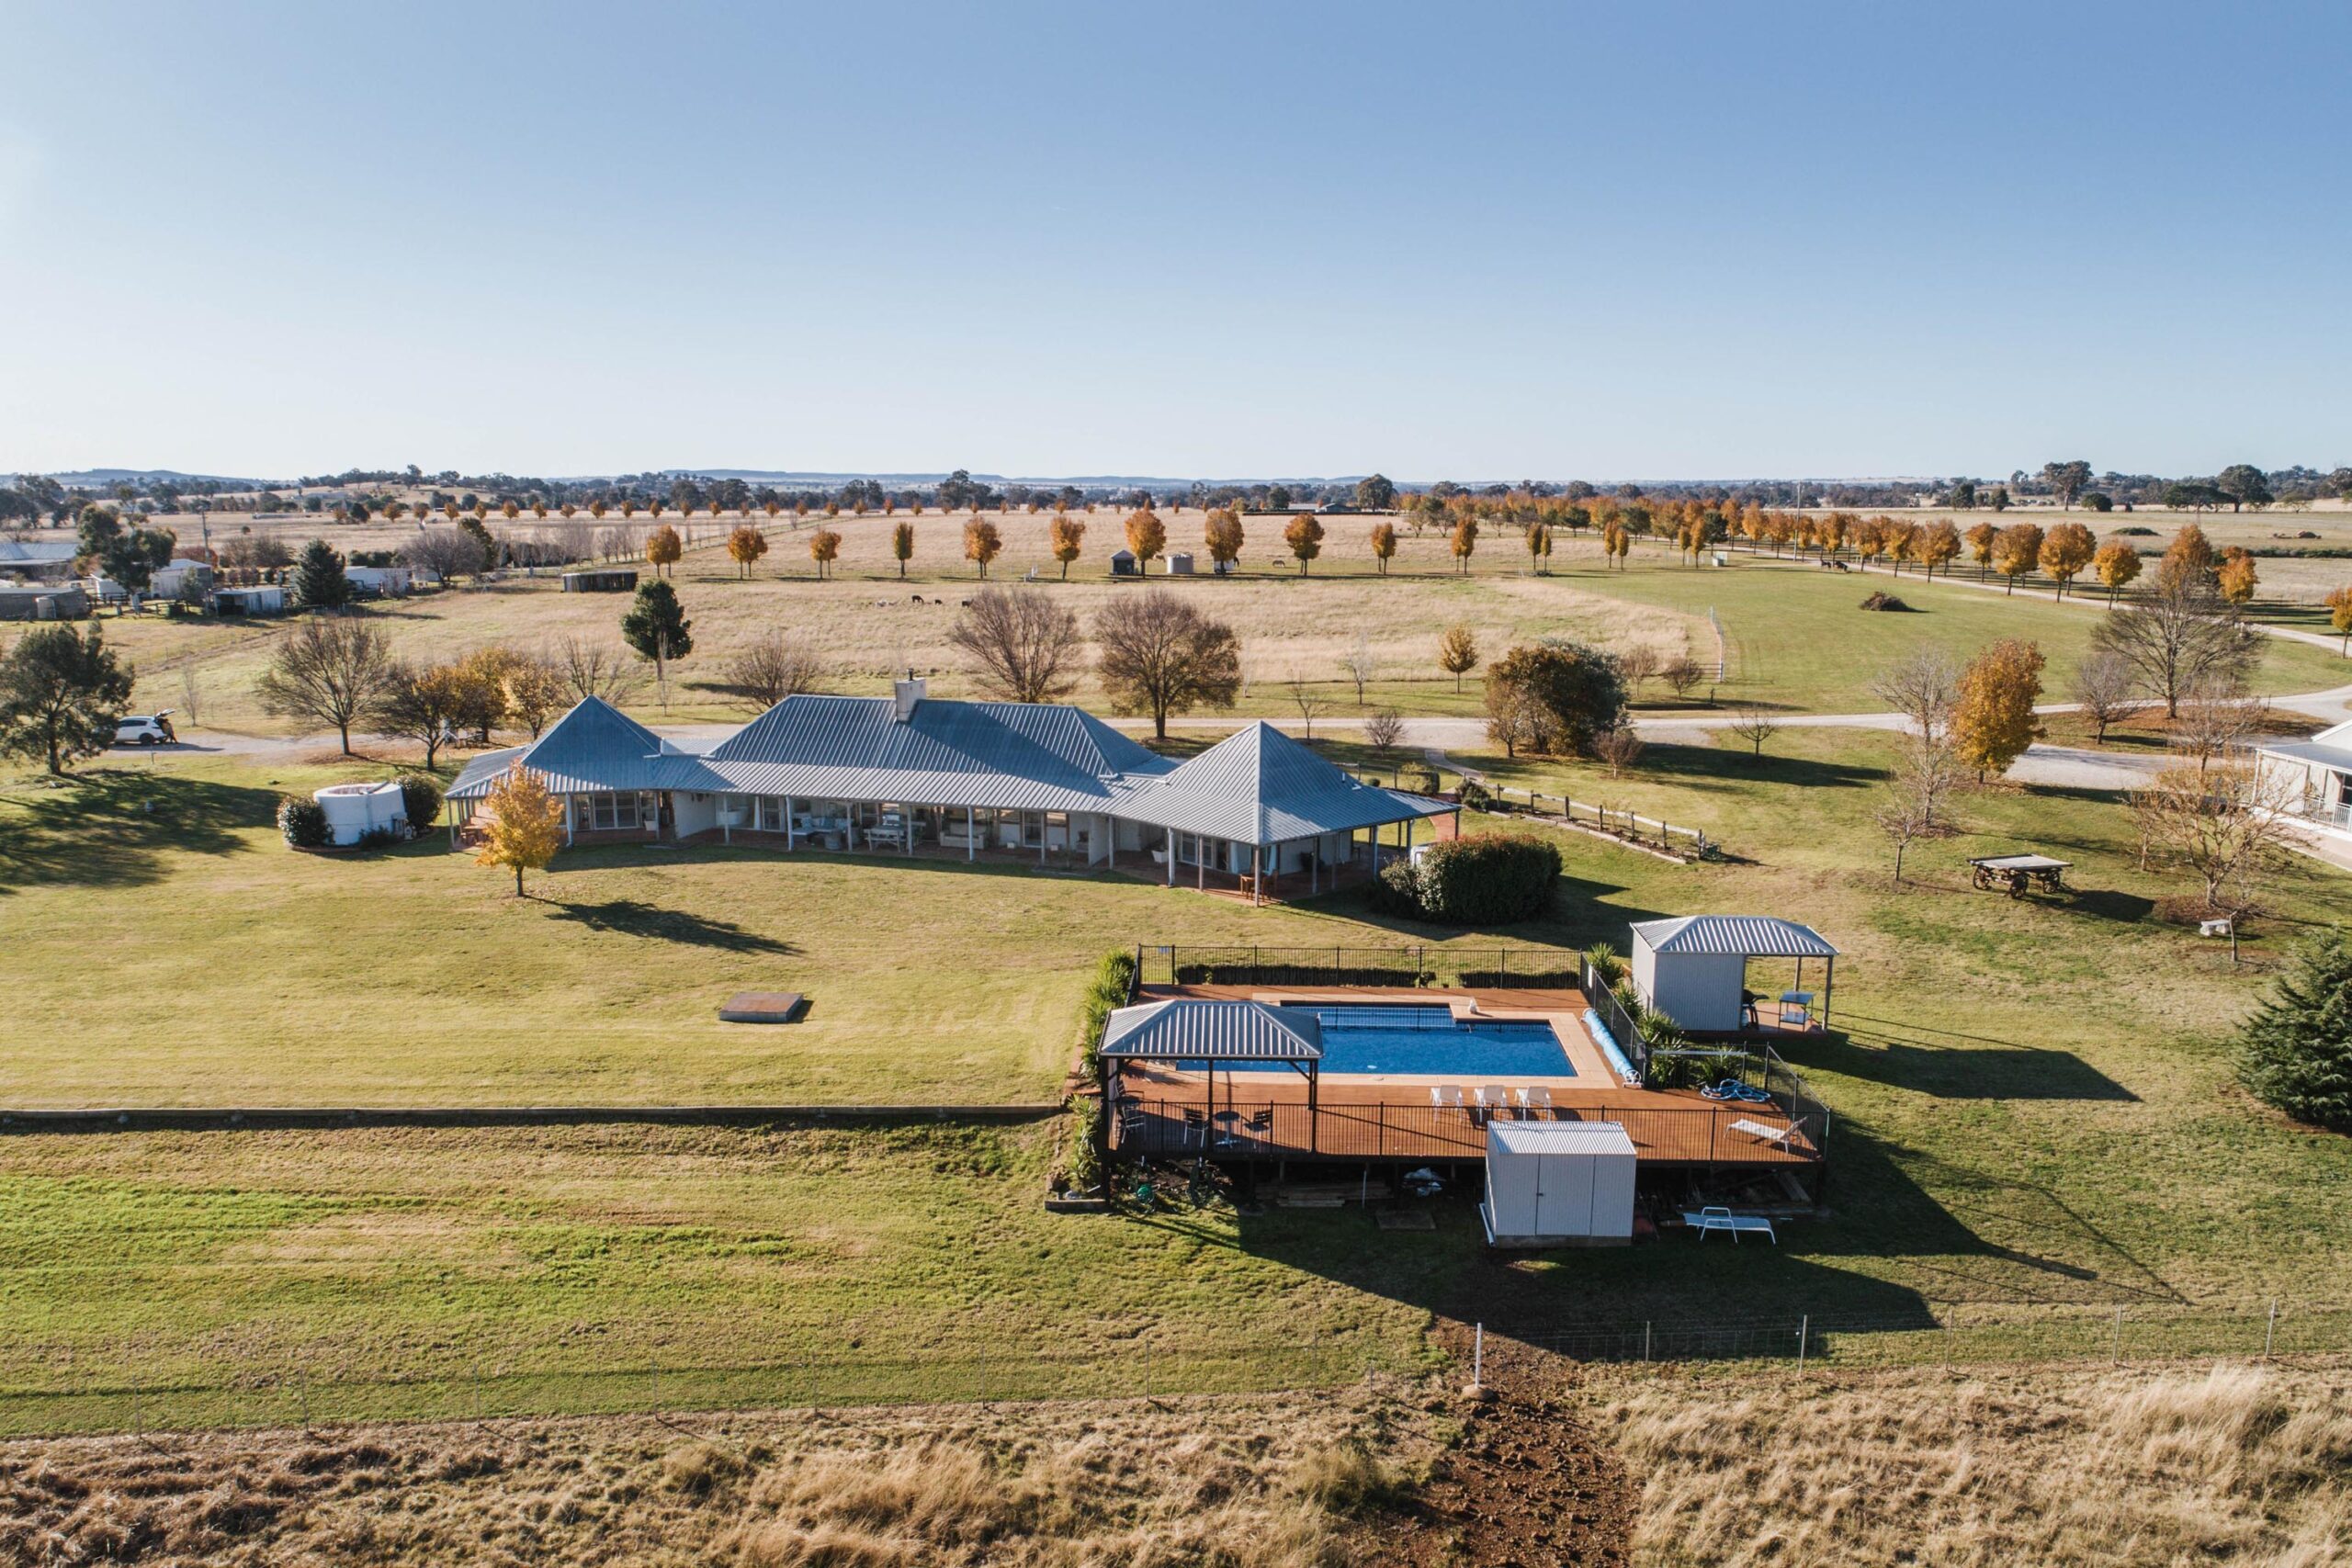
(1430, 1042)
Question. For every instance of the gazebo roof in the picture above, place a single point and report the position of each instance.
(1189, 1029)
(1741, 936)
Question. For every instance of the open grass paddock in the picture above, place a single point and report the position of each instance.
(2034, 1109)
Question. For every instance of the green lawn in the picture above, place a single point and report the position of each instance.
(2034, 1108)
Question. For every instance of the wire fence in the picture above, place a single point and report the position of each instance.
(1954, 1334)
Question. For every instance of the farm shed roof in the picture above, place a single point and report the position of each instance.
(1259, 786)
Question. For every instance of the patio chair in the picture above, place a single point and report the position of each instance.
(1535, 1096)
(1259, 1127)
(1715, 1217)
(1196, 1129)
(1447, 1096)
(1494, 1096)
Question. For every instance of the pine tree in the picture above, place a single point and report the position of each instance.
(319, 580)
(2295, 1052)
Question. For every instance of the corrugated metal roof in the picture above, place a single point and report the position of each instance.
(1746, 936)
(1013, 756)
(1558, 1138)
(1259, 786)
(1189, 1029)
(58, 549)
(595, 747)
(2313, 750)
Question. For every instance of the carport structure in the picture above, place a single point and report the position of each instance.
(1693, 968)
(1185, 1033)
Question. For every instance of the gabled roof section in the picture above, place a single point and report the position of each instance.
(594, 746)
(1016, 756)
(1259, 786)
(1744, 936)
(1191, 1028)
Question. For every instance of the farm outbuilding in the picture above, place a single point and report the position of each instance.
(265, 600)
(615, 579)
(355, 810)
(1558, 1184)
(1123, 564)
(1694, 970)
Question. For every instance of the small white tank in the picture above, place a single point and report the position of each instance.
(355, 811)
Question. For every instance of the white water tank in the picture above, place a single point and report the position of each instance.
(355, 811)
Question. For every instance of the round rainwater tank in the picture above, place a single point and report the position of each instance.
(355, 811)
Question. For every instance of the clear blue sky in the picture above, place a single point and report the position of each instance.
(1646, 241)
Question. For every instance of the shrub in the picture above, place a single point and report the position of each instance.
(1487, 879)
(1113, 978)
(1605, 962)
(2137, 531)
(1397, 889)
(1884, 602)
(1477, 797)
(1085, 1173)
(1417, 781)
(420, 801)
(303, 821)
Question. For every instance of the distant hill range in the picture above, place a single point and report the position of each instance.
(101, 478)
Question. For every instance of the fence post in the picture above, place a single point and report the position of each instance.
(1479, 1357)
(1646, 1340)
(1803, 1324)
(2270, 1330)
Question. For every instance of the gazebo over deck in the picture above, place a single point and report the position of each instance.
(1694, 969)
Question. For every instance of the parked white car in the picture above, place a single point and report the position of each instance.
(145, 729)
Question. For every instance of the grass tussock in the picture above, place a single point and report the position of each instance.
(2147, 1466)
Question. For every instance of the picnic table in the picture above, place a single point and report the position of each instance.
(2015, 874)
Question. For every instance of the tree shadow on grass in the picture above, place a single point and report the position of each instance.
(115, 827)
(633, 917)
(1975, 1068)
(1724, 768)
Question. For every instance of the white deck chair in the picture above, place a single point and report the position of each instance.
(1447, 1096)
(1535, 1096)
(1771, 1134)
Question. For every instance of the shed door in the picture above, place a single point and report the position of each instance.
(1563, 1195)
(1511, 1191)
(1613, 1195)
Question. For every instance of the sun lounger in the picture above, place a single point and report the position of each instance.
(1447, 1096)
(1771, 1134)
(1494, 1096)
(1535, 1096)
(1722, 1218)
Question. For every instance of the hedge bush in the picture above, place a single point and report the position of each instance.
(303, 821)
(1477, 880)
(420, 801)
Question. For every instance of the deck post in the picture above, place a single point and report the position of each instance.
(1200, 862)
(970, 841)
(788, 837)
(1828, 989)
(1171, 857)
(907, 825)
(1314, 1077)
(1041, 838)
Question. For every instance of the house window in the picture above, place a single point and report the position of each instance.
(605, 813)
(771, 814)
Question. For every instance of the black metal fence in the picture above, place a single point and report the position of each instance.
(1246, 1124)
(1426, 965)
(1615, 1017)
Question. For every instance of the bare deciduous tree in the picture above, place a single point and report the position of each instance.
(1160, 655)
(1617, 749)
(330, 671)
(595, 670)
(1384, 730)
(2106, 692)
(1924, 688)
(1923, 782)
(1638, 664)
(1754, 725)
(2226, 825)
(1361, 666)
(1311, 701)
(191, 695)
(2181, 638)
(772, 668)
(1682, 674)
(1026, 647)
(444, 553)
(2216, 724)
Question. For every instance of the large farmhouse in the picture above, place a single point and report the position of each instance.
(907, 773)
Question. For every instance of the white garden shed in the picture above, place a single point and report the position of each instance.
(1694, 969)
(1558, 1184)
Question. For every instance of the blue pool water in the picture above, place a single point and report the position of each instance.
(1429, 1042)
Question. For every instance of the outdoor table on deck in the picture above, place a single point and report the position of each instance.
(2016, 873)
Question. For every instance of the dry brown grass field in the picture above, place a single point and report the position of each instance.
(1269, 1481)
(867, 624)
(2302, 578)
(2151, 1466)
